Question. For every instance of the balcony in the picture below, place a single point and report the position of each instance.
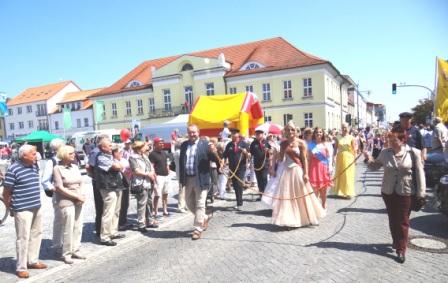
(41, 114)
(174, 111)
(42, 128)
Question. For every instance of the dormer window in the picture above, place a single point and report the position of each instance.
(134, 83)
(251, 66)
(187, 67)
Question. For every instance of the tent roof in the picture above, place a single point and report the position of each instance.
(38, 136)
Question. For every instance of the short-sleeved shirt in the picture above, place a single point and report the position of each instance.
(159, 159)
(104, 161)
(23, 180)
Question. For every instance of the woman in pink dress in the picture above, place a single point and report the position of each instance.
(319, 167)
(295, 204)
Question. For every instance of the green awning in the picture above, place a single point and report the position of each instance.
(38, 136)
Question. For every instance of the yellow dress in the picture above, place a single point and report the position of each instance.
(344, 184)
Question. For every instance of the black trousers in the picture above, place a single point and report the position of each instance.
(98, 207)
(238, 186)
(262, 178)
(123, 219)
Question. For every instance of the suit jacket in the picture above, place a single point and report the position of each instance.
(398, 176)
(202, 163)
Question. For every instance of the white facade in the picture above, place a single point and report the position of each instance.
(28, 117)
(82, 120)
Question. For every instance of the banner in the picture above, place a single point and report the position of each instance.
(99, 111)
(441, 100)
(67, 118)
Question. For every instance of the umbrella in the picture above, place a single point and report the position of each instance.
(38, 136)
(270, 128)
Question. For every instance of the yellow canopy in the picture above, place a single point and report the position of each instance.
(242, 110)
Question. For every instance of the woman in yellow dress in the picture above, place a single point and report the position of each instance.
(344, 184)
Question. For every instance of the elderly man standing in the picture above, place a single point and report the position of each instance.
(22, 195)
(413, 136)
(194, 174)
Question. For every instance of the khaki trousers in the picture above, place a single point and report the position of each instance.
(71, 224)
(181, 198)
(195, 198)
(111, 213)
(29, 236)
(57, 224)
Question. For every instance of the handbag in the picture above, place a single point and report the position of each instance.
(136, 185)
(417, 203)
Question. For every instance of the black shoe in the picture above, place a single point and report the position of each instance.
(143, 229)
(400, 257)
(108, 243)
(118, 236)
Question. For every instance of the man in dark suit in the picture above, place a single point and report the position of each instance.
(236, 153)
(259, 149)
(194, 174)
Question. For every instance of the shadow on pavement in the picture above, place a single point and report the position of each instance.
(263, 212)
(362, 210)
(370, 195)
(46, 251)
(265, 226)
(8, 265)
(433, 224)
(377, 249)
(164, 234)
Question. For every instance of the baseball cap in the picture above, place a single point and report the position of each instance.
(157, 140)
(127, 141)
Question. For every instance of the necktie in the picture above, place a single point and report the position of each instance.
(235, 148)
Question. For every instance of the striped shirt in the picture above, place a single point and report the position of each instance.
(190, 166)
(24, 183)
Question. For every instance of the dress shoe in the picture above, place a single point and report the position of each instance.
(37, 265)
(400, 257)
(118, 236)
(109, 243)
(196, 235)
(78, 255)
(22, 274)
(68, 259)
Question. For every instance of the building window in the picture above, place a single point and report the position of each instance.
(29, 109)
(56, 125)
(139, 107)
(30, 124)
(128, 108)
(187, 67)
(210, 89)
(249, 88)
(232, 90)
(167, 100)
(114, 110)
(286, 118)
(308, 120)
(307, 87)
(267, 92)
(19, 110)
(21, 125)
(11, 126)
(78, 123)
(86, 122)
(41, 110)
(267, 118)
(78, 105)
(43, 124)
(134, 83)
(252, 66)
(152, 105)
(287, 90)
(188, 104)
(73, 106)
(10, 112)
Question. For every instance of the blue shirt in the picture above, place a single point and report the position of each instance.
(23, 181)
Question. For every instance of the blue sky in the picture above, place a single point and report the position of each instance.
(94, 43)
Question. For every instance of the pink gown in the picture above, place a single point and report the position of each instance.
(319, 171)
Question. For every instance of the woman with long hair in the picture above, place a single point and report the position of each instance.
(319, 171)
(295, 204)
(345, 164)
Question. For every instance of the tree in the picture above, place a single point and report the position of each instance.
(423, 110)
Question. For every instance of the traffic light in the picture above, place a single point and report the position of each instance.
(394, 88)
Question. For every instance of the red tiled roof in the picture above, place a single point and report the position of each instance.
(79, 95)
(274, 53)
(38, 93)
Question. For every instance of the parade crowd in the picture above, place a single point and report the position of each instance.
(293, 172)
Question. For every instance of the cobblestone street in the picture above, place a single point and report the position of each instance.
(352, 244)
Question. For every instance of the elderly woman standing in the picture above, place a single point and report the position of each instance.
(70, 199)
(399, 162)
(345, 164)
(142, 176)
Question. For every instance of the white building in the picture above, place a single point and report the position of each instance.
(81, 113)
(28, 111)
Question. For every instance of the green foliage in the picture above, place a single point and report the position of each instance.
(422, 111)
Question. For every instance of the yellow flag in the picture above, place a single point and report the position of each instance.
(441, 101)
